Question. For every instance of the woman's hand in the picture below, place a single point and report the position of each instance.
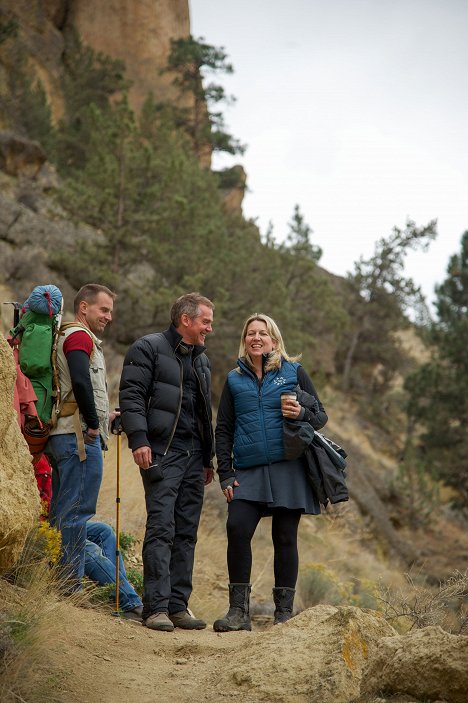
(290, 408)
(229, 491)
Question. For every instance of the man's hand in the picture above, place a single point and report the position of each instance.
(142, 457)
(89, 436)
(209, 473)
(112, 416)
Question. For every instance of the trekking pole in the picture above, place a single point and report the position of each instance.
(116, 429)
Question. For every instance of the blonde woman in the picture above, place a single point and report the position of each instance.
(255, 477)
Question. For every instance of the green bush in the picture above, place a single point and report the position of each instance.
(136, 579)
(317, 584)
(126, 542)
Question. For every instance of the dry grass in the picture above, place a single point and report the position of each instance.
(30, 609)
(419, 605)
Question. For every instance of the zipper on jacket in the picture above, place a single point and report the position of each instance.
(180, 405)
(262, 414)
(207, 414)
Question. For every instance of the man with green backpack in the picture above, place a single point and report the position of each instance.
(80, 431)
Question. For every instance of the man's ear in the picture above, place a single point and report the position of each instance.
(184, 319)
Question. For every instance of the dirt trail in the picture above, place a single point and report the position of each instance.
(109, 660)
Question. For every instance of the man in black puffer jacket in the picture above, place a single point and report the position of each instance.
(165, 401)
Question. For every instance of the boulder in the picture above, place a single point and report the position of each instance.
(318, 657)
(20, 156)
(429, 664)
(19, 497)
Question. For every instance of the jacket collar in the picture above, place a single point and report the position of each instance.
(242, 363)
(174, 339)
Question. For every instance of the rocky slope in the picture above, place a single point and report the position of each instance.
(137, 32)
(19, 499)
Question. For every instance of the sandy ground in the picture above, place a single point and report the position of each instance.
(109, 659)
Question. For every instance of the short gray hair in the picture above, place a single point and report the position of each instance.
(188, 304)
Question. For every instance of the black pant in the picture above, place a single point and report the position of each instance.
(243, 518)
(173, 507)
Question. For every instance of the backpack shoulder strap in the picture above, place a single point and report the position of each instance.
(67, 325)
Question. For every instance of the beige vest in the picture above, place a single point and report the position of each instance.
(97, 372)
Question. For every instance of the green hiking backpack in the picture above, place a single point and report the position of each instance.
(37, 335)
(35, 353)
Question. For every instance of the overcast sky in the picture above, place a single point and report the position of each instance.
(357, 110)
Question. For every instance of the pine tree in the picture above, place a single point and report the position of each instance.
(89, 81)
(377, 298)
(298, 239)
(438, 391)
(192, 60)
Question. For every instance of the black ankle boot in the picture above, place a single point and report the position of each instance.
(284, 601)
(237, 617)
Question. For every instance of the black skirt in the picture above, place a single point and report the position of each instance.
(281, 485)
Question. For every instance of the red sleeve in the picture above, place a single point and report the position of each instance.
(78, 341)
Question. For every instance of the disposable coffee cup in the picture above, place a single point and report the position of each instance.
(290, 395)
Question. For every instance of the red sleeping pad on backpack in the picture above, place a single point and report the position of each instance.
(43, 474)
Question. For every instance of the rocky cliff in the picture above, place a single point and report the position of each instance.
(138, 32)
(19, 498)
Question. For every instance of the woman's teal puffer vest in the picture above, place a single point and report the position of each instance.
(258, 434)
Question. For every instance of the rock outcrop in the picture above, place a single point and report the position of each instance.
(332, 654)
(233, 183)
(20, 156)
(429, 664)
(28, 233)
(19, 497)
(317, 656)
(139, 33)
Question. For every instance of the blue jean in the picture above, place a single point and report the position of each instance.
(75, 488)
(100, 563)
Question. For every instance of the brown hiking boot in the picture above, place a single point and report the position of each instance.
(133, 614)
(186, 621)
(159, 621)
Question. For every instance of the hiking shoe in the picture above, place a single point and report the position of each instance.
(284, 602)
(186, 621)
(159, 621)
(133, 613)
(237, 617)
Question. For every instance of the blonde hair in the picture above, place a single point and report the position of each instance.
(279, 352)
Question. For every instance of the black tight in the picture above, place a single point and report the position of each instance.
(243, 518)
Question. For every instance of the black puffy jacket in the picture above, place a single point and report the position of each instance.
(151, 393)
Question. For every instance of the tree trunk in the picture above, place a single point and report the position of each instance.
(349, 360)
